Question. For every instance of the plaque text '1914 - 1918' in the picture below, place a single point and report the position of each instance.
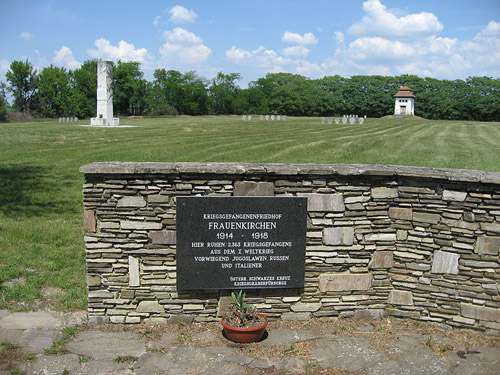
(241, 242)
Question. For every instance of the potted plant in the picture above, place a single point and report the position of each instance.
(242, 323)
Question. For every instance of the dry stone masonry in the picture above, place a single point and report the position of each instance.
(421, 243)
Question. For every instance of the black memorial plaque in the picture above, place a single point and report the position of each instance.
(241, 242)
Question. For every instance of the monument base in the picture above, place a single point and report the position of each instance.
(100, 121)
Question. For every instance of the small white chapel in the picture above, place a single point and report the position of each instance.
(405, 102)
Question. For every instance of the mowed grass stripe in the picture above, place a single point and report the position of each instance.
(297, 138)
(473, 146)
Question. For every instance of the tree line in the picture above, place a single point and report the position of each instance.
(55, 92)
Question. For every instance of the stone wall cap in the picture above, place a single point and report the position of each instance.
(127, 168)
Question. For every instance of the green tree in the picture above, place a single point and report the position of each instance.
(295, 95)
(251, 100)
(480, 102)
(53, 91)
(194, 94)
(3, 101)
(371, 95)
(158, 99)
(223, 91)
(130, 90)
(23, 80)
(82, 101)
(334, 87)
(177, 93)
(174, 93)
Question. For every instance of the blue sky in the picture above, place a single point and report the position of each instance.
(447, 39)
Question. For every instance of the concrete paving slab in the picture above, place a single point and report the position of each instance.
(286, 336)
(188, 353)
(207, 336)
(185, 361)
(410, 355)
(240, 359)
(222, 368)
(261, 363)
(37, 340)
(51, 365)
(107, 345)
(409, 366)
(11, 335)
(354, 354)
(105, 367)
(291, 365)
(159, 363)
(28, 320)
(486, 362)
(75, 318)
(218, 352)
(166, 340)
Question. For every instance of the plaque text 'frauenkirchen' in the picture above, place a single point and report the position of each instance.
(240, 242)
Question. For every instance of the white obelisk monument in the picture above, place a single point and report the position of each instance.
(104, 96)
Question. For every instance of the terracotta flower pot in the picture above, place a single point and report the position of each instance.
(245, 335)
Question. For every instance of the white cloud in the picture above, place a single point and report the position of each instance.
(379, 49)
(433, 56)
(4, 67)
(269, 61)
(179, 14)
(492, 30)
(184, 46)
(180, 35)
(195, 54)
(380, 22)
(339, 37)
(385, 43)
(65, 57)
(237, 55)
(124, 51)
(340, 64)
(439, 46)
(414, 68)
(26, 35)
(156, 21)
(294, 38)
(483, 51)
(298, 51)
(307, 68)
(390, 44)
(263, 59)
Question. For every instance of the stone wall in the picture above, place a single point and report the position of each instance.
(421, 243)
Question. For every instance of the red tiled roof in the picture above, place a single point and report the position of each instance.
(405, 92)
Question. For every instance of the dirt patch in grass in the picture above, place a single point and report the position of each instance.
(45, 304)
(10, 356)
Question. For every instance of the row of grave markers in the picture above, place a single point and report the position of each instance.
(351, 119)
(266, 117)
(346, 118)
(68, 119)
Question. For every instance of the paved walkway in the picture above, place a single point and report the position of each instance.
(324, 347)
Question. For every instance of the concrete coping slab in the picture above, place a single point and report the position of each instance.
(455, 175)
(33, 319)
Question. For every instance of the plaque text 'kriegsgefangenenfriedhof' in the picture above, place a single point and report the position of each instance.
(241, 242)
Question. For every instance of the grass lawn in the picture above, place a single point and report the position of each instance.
(41, 236)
